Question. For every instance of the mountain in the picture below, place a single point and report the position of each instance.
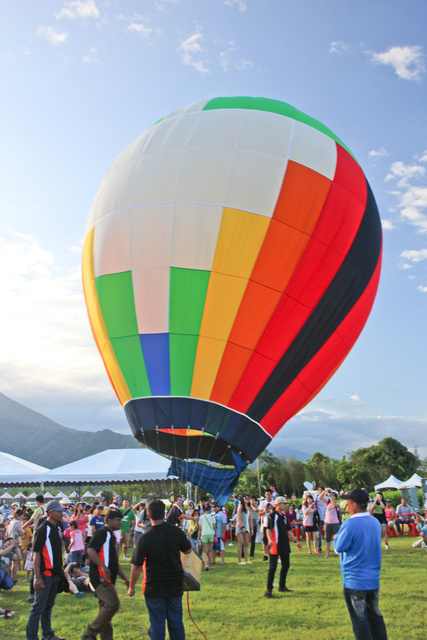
(32, 436)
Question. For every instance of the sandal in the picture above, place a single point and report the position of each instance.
(8, 614)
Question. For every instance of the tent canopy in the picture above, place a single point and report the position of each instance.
(112, 465)
(414, 481)
(16, 471)
(390, 483)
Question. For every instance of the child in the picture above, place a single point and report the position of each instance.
(29, 565)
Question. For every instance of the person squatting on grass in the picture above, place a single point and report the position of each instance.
(279, 532)
(359, 544)
(159, 552)
(103, 570)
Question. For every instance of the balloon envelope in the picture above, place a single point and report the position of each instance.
(231, 259)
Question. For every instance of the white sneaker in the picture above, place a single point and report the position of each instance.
(386, 546)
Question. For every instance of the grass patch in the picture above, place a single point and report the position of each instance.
(230, 603)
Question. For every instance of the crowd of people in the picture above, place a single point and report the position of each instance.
(79, 545)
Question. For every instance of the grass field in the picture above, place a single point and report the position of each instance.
(230, 604)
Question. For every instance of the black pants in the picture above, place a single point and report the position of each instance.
(285, 560)
(252, 553)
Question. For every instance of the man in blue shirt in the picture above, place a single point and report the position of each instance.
(220, 527)
(359, 544)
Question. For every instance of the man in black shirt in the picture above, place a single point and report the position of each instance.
(159, 552)
(103, 570)
(279, 533)
(47, 548)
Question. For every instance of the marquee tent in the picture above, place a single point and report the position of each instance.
(16, 471)
(414, 481)
(390, 483)
(110, 466)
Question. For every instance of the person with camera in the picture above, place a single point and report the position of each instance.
(378, 509)
(332, 522)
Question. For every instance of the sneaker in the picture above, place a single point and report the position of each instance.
(52, 637)
(125, 559)
(249, 562)
(241, 563)
(265, 558)
(386, 546)
(79, 595)
(268, 593)
(284, 590)
(318, 552)
(30, 600)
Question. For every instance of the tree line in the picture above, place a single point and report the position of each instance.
(364, 467)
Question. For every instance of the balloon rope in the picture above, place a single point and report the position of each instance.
(139, 619)
(188, 607)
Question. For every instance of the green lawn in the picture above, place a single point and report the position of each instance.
(230, 604)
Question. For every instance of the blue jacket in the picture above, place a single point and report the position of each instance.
(359, 543)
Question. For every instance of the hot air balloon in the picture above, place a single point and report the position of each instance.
(231, 259)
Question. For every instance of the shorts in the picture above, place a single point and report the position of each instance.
(311, 529)
(219, 544)
(264, 537)
(331, 530)
(125, 538)
(208, 538)
(380, 517)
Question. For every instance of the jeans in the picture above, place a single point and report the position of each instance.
(366, 618)
(160, 610)
(42, 608)
(400, 521)
(77, 557)
(319, 536)
(284, 559)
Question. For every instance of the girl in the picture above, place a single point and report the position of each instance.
(377, 509)
(244, 529)
(310, 529)
(332, 523)
(29, 565)
(193, 529)
(207, 534)
(77, 544)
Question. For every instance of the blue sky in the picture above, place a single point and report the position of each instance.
(81, 79)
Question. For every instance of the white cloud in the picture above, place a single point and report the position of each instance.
(91, 58)
(192, 53)
(423, 156)
(53, 36)
(79, 9)
(387, 225)
(240, 4)
(422, 289)
(414, 256)
(405, 173)
(378, 153)
(227, 59)
(339, 47)
(355, 397)
(407, 62)
(140, 28)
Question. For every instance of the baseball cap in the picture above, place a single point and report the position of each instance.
(359, 496)
(54, 505)
(280, 500)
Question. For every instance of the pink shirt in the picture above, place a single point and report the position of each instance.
(77, 543)
(331, 516)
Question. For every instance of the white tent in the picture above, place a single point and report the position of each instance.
(390, 483)
(112, 465)
(6, 496)
(60, 495)
(14, 470)
(414, 481)
(20, 495)
(88, 494)
(32, 496)
(48, 495)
